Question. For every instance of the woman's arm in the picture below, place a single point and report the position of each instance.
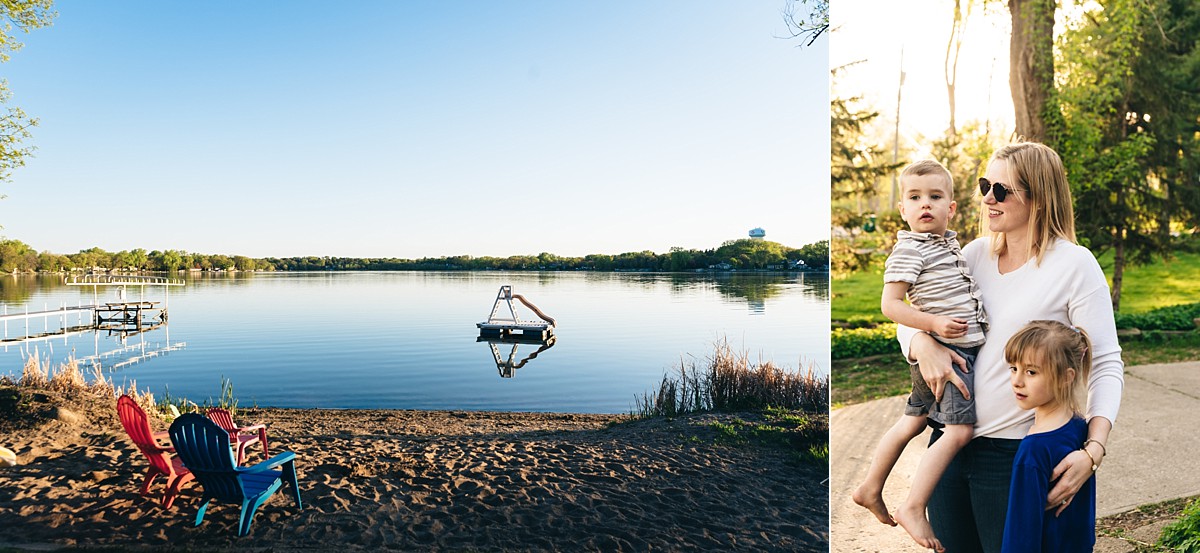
(1092, 312)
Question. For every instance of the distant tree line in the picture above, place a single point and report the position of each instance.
(745, 254)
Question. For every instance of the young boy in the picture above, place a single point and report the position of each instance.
(927, 267)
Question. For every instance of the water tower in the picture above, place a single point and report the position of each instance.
(758, 233)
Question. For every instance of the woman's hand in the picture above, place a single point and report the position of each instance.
(1075, 469)
(936, 363)
(1070, 473)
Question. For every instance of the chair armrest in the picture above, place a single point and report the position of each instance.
(280, 459)
(251, 428)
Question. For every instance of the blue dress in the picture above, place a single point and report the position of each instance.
(1028, 527)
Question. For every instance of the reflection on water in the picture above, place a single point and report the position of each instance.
(406, 339)
(507, 366)
(110, 349)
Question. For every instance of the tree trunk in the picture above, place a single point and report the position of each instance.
(1118, 267)
(950, 64)
(1031, 69)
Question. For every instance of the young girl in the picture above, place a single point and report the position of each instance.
(1049, 362)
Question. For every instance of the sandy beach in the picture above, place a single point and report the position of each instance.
(421, 480)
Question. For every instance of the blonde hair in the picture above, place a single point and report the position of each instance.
(1038, 170)
(1055, 347)
(927, 167)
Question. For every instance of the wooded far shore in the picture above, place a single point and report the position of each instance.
(744, 254)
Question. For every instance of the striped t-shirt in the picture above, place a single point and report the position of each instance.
(939, 282)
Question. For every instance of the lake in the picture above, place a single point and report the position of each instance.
(407, 340)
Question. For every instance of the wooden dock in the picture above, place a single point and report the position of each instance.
(126, 317)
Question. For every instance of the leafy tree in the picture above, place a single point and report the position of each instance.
(24, 15)
(1129, 78)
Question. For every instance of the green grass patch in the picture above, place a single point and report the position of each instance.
(804, 434)
(859, 380)
(1160, 347)
(1158, 284)
(856, 297)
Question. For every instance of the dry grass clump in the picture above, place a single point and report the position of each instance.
(34, 375)
(68, 379)
(728, 381)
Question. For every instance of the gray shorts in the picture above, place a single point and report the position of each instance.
(954, 408)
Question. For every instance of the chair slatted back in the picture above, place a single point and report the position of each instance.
(224, 420)
(204, 448)
(137, 426)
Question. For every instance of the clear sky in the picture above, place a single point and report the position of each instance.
(410, 129)
(920, 29)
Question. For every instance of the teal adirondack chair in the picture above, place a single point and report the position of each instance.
(204, 448)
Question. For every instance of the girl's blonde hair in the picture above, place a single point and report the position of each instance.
(1055, 347)
(1037, 169)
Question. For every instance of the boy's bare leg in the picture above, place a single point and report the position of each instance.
(911, 515)
(870, 493)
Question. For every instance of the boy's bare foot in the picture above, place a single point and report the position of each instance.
(914, 522)
(872, 499)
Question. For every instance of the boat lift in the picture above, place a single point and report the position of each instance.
(505, 323)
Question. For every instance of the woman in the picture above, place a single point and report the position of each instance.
(1028, 267)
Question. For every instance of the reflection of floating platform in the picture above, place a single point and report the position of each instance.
(507, 367)
(504, 322)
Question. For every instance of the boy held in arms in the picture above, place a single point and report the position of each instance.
(927, 267)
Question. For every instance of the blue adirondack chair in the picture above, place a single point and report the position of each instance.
(204, 448)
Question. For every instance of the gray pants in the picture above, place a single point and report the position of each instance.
(954, 408)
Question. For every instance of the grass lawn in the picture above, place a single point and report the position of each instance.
(1146, 287)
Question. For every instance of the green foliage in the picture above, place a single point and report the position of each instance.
(746, 254)
(1175, 317)
(1127, 78)
(25, 15)
(1184, 535)
(227, 401)
(852, 343)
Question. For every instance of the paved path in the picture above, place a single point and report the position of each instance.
(1152, 456)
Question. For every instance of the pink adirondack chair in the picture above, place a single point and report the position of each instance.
(162, 460)
(243, 436)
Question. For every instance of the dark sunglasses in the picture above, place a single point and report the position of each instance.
(1000, 191)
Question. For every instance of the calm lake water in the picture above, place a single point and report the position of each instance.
(407, 340)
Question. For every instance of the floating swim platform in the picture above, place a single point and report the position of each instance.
(504, 320)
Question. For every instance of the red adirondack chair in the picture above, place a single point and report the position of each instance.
(162, 460)
(243, 436)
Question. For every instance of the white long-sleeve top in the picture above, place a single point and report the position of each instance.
(1068, 286)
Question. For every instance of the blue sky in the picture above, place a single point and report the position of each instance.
(410, 129)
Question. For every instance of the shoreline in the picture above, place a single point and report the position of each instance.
(433, 480)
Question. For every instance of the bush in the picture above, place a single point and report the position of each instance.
(852, 343)
(1175, 317)
(1184, 534)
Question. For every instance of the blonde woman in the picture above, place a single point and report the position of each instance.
(1028, 267)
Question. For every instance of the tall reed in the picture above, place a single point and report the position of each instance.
(728, 381)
